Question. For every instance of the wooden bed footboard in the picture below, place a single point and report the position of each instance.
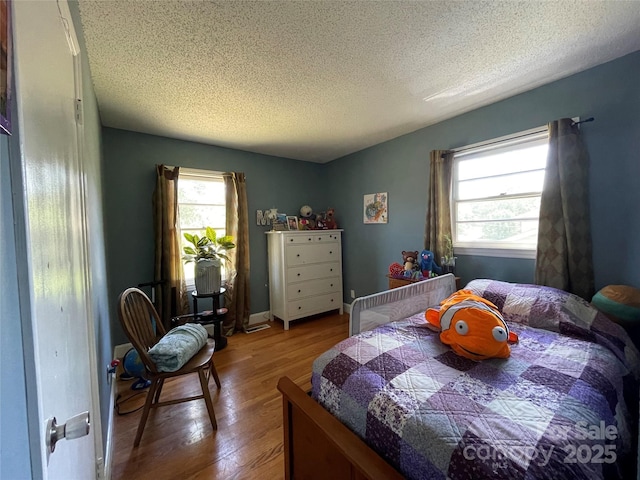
(319, 446)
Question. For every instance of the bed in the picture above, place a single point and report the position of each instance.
(392, 401)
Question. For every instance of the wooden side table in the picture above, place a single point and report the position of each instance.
(215, 316)
(395, 282)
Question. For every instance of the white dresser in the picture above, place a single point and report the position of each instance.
(305, 273)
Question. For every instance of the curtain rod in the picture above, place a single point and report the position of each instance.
(523, 134)
(590, 119)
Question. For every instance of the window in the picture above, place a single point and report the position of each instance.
(201, 203)
(496, 195)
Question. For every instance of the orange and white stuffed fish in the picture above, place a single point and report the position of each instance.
(472, 326)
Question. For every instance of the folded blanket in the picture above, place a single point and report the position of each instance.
(178, 346)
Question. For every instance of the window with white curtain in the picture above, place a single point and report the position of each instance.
(496, 195)
(201, 204)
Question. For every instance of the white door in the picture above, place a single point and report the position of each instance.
(55, 246)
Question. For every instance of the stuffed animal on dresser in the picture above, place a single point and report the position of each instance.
(329, 220)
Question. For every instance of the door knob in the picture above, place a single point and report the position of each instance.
(77, 426)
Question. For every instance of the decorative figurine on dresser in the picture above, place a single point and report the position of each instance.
(305, 273)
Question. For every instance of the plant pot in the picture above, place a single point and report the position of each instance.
(207, 276)
(449, 265)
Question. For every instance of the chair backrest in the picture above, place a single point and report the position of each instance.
(141, 323)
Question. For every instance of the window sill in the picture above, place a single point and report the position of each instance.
(496, 252)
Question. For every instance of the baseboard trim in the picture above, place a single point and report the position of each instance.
(260, 317)
(108, 455)
(347, 308)
(120, 350)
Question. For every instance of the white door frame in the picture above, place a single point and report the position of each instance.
(96, 421)
(36, 434)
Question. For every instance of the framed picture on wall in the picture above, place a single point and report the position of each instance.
(375, 208)
(5, 67)
(292, 222)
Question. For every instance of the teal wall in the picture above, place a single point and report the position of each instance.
(129, 180)
(609, 92)
(400, 167)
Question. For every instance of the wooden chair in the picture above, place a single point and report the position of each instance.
(143, 326)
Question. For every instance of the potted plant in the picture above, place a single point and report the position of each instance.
(448, 261)
(207, 252)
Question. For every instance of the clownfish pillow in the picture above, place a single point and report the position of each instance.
(472, 326)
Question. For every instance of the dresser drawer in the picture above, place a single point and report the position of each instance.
(325, 237)
(317, 253)
(311, 272)
(313, 287)
(298, 239)
(310, 306)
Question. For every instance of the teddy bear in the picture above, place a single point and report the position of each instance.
(409, 259)
(329, 220)
(428, 264)
(307, 218)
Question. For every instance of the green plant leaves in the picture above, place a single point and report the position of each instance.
(207, 247)
(211, 234)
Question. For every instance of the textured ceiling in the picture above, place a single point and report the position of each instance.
(316, 80)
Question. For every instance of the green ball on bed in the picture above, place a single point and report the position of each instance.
(620, 303)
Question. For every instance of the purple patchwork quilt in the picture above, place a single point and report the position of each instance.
(562, 406)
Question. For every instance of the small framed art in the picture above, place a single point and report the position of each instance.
(292, 222)
(375, 208)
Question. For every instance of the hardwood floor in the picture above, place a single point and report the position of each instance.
(178, 441)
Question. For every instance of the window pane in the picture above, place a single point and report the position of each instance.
(515, 159)
(520, 232)
(201, 202)
(201, 191)
(200, 216)
(505, 185)
(499, 209)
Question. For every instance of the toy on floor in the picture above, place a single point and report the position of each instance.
(472, 326)
(134, 368)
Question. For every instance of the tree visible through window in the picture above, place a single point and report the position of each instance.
(496, 192)
(201, 203)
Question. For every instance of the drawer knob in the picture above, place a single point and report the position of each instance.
(332, 284)
(299, 308)
(291, 239)
(299, 291)
(330, 252)
(297, 255)
(331, 270)
(309, 239)
(332, 299)
(298, 274)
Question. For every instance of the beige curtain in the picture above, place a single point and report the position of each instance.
(237, 297)
(438, 223)
(564, 255)
(171, 293)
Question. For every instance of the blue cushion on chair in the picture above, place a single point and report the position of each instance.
(178, 346)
